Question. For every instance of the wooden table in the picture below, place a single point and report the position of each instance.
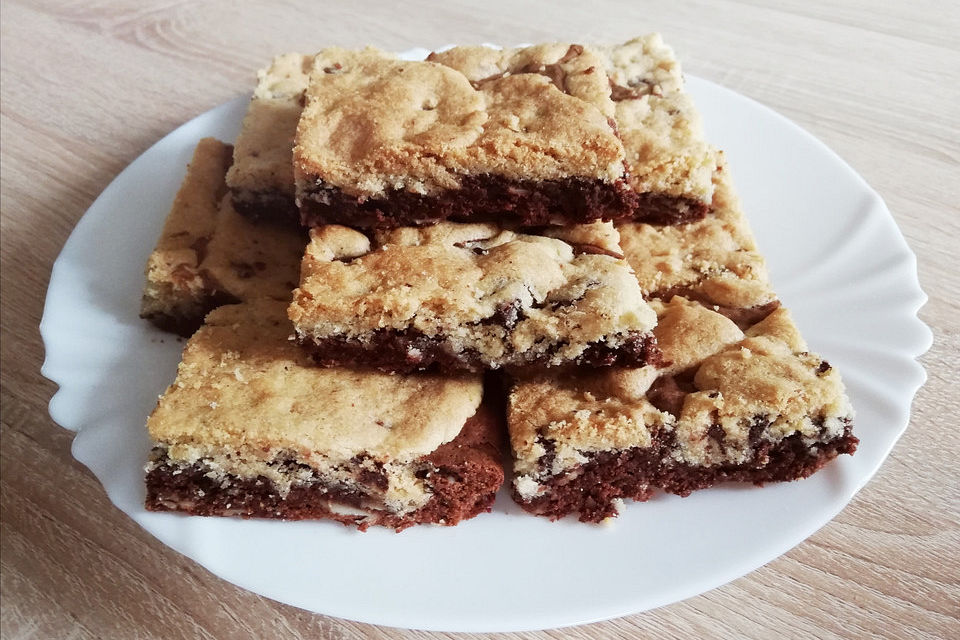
(86, 89)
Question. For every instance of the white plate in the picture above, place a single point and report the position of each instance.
(835, 255)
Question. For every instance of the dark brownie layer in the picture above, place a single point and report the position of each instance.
(184, 326)
(591, 489)
(479, 199)
(186, 323)
(409, 351)
(266, 206)
(463, 476)
(662, 209)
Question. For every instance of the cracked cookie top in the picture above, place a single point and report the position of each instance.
(375, 124)
(721, 391)
(478, 286)
(714, 260)
(244, 387)
(765, 386)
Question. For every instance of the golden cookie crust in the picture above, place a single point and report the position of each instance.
(662, 133)
(208, 254)
(375, 124)
(458, 283)
(246, 397)
(263, 154)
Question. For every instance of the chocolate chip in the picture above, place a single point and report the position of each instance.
(549, 451)
(592, 249)
(668, 392)
(200, 247)
(473, 245)
(717, 433)
(506, 315)
(574, 51)
(243, 270)
(757, 426)
(619, 93)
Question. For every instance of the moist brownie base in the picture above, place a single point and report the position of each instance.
(186, 322)
(489, 198)
(184, 326)
(410, 351)
(266, 206)
(662, 209)
(463, 475)
(592, 488)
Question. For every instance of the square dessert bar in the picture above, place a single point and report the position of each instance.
(471, 134)
(737, 396)
(459, 296)
(209, 255)
(670, 165)
(261, 178)
(713, 261)
(251, 428)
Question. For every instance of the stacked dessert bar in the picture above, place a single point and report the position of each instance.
(533, 246)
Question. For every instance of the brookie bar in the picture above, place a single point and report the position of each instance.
(713, 261)
(261, 178)
(251, 428)
(738, 396)
(523, 136)
(209, 255)
(669, 163)
(669, 166)
(459, 296)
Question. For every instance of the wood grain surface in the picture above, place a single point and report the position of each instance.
(87, 87)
